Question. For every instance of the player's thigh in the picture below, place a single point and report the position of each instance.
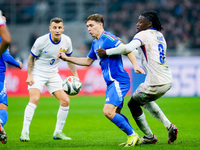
(145, 93)
(115, 93)
(39, 82)
(54, 83)
(62, 97)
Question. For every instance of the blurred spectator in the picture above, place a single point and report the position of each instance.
(42, 8)
(180, 18)
(82, 50)
(34, 35)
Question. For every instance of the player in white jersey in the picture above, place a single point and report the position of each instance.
(43, 71)
(4, 34)
(151, 46)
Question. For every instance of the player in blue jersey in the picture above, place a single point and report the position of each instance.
(4, 34)
(5, 57)
(116, 78)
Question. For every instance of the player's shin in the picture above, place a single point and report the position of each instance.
(121, 123)
(28, 116)
(61, 119)
(157, 113)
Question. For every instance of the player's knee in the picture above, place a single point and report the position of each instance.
(109, 114)
(65, 102)
(34, 100)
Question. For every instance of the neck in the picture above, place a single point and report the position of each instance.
(56, 40)
(100, 32)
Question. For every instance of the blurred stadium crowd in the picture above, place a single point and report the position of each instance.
(180, 18)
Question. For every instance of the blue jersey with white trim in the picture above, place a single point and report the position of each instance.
(112, 66)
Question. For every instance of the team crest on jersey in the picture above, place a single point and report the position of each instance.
(62, 50)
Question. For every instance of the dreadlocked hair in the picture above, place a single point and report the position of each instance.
(153, 17)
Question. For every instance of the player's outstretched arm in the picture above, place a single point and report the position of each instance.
(123, 49)
(133, 60)
(78, 61)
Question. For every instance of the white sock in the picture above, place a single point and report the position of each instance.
(28, 115)
(157, 113)
(143, 125)
(61, 118)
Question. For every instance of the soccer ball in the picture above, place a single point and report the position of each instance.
(72, 85)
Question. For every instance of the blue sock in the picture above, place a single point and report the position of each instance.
(125, 119)
(3, 116)
(121, 122)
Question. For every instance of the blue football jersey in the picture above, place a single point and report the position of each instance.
(112, 66)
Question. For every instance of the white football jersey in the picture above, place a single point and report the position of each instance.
(152, 53)
(46, 51)
(2, 22)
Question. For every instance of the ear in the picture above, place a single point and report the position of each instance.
(150, 25)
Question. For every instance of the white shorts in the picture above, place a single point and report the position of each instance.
(145, 93)
(52, 82)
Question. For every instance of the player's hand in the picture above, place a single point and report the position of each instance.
(29, 80)
(20, 64)
(61, 55)
(101, 52)
(139, 70)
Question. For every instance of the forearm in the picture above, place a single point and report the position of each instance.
(124, 49)
(133, 59)
(77, 61)
(30, 64)
(72, 68)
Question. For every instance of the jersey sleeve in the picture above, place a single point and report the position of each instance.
(141, 37)
(91, 53)
(9, 59)
(36, 48)
(69, 51)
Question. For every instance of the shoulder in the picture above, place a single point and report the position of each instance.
(109, 36)
(65, 37)
(42, 38)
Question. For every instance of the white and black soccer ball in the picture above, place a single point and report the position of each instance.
(72, 85)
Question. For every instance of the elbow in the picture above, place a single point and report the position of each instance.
(7, 40)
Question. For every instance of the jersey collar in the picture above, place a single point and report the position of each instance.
(52, 40)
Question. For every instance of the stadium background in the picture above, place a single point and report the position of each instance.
(28, 19)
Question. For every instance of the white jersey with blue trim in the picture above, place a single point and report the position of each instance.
(152, 53)
(45, 51)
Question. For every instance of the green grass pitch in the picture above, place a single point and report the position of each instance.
(91, 130)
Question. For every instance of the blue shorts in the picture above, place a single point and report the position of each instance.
(116, 92)
(3, 94)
